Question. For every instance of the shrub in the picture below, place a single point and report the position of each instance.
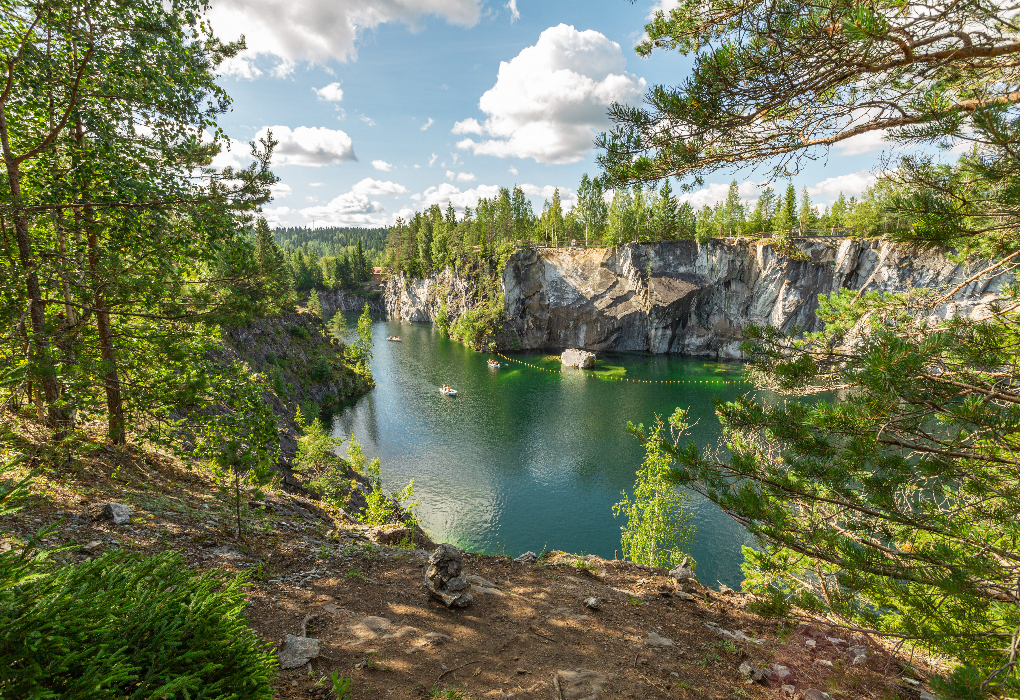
(276, 381)
(123, 626)
(658, 530)
(297, 331)
(321, 371)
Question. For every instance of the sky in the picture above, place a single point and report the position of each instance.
(385, 107)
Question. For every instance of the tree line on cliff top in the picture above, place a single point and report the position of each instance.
(638, 212)
(890, 502)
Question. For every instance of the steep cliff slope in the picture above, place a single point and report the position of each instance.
(694, 299)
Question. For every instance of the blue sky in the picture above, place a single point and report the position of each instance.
(386, 107)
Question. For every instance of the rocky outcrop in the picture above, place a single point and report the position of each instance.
(300, 363)
(578, 359)
(420, 300)
(695, 299)
(334, 300)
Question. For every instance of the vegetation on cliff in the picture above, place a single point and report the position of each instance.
(893, 508)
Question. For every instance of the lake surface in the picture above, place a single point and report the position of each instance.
(523, 459)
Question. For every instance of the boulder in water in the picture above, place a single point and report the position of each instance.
(581, 359)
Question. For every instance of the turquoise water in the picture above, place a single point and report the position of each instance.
(523, 459)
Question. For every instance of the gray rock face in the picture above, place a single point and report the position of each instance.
(691, 298)
(334, 300)
(443, 577)
(116, 513)
(297, 651)
(580, 359)
(527, 558)
(420, 300)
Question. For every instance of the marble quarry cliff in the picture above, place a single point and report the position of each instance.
(690, 298)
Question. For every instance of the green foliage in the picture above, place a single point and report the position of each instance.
(477, 327)
(314, 303)
(276, 382)
(321, 370)
(381, 509)
(242, 440)
(658, 530)
(360, 463)
(317, 459)
(341, 686)
(122, 626)
(443, 320)
(298, 331)
(881, 508)
(360, 351)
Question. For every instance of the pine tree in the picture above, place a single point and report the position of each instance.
(808, 218)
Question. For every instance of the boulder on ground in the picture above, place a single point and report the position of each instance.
(684, 572)
(297, 651)
(527, 558)
(581, 684)
(581, 359)
(116, 513)
(443, 577)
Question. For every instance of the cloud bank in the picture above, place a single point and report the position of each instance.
(313, 146)
(289, 31)
(550, 99)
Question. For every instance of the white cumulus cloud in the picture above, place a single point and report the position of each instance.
(348, 209)
(568, 198)
(550, 99)
(450, 193)
(331, 92)
(309, 145)
(289, 31)
(868, 142)
(370, 186)
(513, 170)
(382, 165)
(468, 126)
(432, 159)
(851, 185)
(465, 177)
(717, 192)
(663, 5)
(427, 124)
(281, 190)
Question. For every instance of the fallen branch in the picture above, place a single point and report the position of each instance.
(543, 636)
(443, 674)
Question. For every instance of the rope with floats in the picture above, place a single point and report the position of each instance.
(627, 379)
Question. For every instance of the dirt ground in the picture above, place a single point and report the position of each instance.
(528, 633)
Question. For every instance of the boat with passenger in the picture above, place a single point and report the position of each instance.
(492, 364)
(393, 338)
(448, 390)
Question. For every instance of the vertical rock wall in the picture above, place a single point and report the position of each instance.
(682, 296)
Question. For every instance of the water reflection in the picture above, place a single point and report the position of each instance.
(521, 458)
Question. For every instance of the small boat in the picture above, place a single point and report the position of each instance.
(448, 390)
(492, 364)
(394, 338)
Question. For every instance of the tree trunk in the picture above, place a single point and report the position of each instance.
(43, 369)
(111, 380)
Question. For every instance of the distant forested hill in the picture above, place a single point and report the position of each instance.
(331, 241)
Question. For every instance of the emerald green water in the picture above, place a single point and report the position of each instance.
(523, 459)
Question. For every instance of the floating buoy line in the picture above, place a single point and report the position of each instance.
(626, 379)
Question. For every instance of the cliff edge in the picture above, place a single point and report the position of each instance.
(694, 299)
